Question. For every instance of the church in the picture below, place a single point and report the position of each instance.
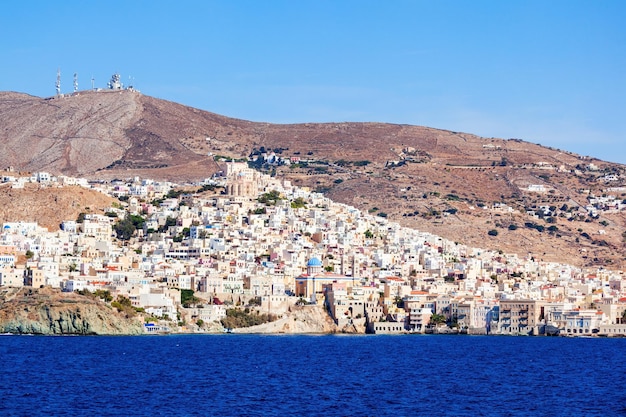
(314, 282)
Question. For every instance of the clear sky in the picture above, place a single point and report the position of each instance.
(549, 72)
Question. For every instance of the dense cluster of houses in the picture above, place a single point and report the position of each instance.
(263, 242)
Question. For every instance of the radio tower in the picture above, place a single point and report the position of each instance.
(75, 82)
(58, 84)
(92, 83)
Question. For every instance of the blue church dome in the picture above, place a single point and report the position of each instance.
(314, 262)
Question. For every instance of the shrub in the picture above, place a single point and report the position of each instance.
(123, 305)
(239, 318)
(298, 203)
(270, 198)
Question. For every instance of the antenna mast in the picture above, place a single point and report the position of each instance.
(58, 83)
(75, 82)
(92, 83)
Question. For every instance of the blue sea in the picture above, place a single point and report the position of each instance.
(254, 375)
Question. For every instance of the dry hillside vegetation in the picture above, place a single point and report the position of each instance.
(435, 180)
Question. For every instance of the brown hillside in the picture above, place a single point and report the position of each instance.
(49, 206)
(435, 180)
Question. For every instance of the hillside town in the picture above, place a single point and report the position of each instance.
(244, 240)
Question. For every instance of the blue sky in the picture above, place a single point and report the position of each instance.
(549, 72)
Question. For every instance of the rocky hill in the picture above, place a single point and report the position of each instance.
(504, 194)
(47, 311)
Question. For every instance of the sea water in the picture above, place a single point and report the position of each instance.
(331, 375)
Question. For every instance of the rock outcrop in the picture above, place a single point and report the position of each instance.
(357, 326)
(48, 311)
(300, 320)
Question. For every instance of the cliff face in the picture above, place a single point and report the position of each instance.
(50, 312)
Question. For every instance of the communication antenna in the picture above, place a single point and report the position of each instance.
(92, 83)
(75, 82)
(58, 84)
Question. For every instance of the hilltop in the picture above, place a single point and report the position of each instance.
(504, 194)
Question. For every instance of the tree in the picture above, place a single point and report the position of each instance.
(169, 221)
(124, 229)
(137, 220)
(369, 234)
(492, 232)
(187, 299)
(29, 254)
(437, 319)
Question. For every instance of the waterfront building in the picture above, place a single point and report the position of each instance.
(583, 322)
(520, 316)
